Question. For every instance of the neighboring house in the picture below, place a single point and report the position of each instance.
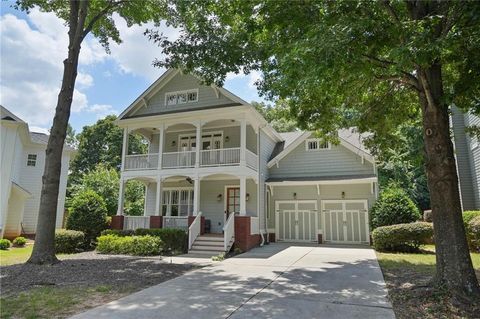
(467, 151)
(216, 166)
(22, 161)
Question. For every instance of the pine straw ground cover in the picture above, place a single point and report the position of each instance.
(79, 282)
(409, 277)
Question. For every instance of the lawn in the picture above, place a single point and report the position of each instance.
(409, 277)
(15, 255)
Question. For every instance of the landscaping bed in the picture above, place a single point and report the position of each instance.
(79, 282)
(409, 281)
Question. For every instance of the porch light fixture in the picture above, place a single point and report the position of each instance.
(343, 195)
(247, 197)
(227, 139)
(219, 197)
(174, 143)
(294, 195)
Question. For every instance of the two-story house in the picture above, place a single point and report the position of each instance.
(467, 151)
(216, 166)
(22, 161)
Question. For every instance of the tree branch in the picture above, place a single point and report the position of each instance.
(82, 16)
(401, 80)
(392, 12)
(99, 15)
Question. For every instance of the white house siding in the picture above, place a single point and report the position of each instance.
(327, 192)
(336, 161)
(14, 214)
(8, 142)
(472, 120)
(206, 97)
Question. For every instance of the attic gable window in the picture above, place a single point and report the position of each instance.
(315, 144)
(32, 160)
(181, 97)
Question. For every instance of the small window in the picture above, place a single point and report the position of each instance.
(315, 144)
(32, 159)
(181, 97)
(193, 96)
(171, 99)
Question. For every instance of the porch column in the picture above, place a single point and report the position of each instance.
(243, 141)
(121, 196)
(198, 143)
(124, 148)
(158, 198)
(196, 196)
(160, 145)
(243, 196)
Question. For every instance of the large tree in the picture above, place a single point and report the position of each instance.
(83, 18)
(370, 64)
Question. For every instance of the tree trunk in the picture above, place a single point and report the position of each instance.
(454, 265)
(44, 248)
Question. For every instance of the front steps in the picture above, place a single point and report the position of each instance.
(210, 245)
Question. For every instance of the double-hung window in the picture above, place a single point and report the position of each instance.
(32, 160)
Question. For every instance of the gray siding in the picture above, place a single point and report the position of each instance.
(206, 97)
(336, 161)
(266, 148)
(327, 192)
(468, 159)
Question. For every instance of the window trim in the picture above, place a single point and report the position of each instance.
(167, 202)
(29, 160)
(320, 142)
(176, 93)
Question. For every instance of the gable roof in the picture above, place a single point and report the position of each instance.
(9, 116)
(162, 81)
(349, 138)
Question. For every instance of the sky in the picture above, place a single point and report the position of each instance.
(33, 47)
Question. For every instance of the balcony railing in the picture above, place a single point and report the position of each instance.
(220, 157)
(141, 161)
(178, 159)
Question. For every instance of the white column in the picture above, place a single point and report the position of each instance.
(243, 141)
(158, 198)
(124, 148)
(160, 145)
(196, 196)
(243, 196)
(121, 196)
(198, 144)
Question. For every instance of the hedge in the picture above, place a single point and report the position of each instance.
(68, 241)
(402, 237)
(174, 240)
(472, 235)
(5, 244)
(129, 245)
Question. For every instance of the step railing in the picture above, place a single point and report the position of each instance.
(194, 230)
(178, 159)
(229, 232)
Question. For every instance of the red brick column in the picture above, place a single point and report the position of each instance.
(243, 239)
(117, 222)
(156, 221)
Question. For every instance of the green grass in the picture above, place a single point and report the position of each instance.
(15, 255)
(52, 302)
(422, 262)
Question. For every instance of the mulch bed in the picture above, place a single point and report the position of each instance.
(90, 269)
(412, 296)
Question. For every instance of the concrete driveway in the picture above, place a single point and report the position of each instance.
(274, 281)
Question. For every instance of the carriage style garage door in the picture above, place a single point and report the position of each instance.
(296, 220)
(345, 221)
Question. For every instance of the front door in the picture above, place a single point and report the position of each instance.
(233, 201)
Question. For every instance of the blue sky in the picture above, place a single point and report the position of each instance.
(32, 50)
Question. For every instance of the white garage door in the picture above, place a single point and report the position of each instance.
(345, 221)
(296, 220)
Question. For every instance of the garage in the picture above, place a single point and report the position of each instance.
(296, 221)
(345, 221)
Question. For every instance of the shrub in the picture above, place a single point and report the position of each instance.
(68, 241)
(5, 244)
(402, 237)
(174, 240)
(468, 216)
(473, 233)
(118, 232)
(19, 241)
(129, 245)
(88, 214)
(393, 207)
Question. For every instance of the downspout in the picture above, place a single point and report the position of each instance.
(258, 184)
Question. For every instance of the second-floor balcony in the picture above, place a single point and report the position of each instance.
(187, 159)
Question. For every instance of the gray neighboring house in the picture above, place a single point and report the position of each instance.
(216, 167)
(467, 150)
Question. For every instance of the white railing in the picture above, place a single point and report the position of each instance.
(229, 232)
(254, 226)
(251, 159)
(220, 157)
(178, 159)
(135, 222)
(180, 222)
(194, 230)
(141, 161)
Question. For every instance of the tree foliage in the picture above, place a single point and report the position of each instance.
(277, 115)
